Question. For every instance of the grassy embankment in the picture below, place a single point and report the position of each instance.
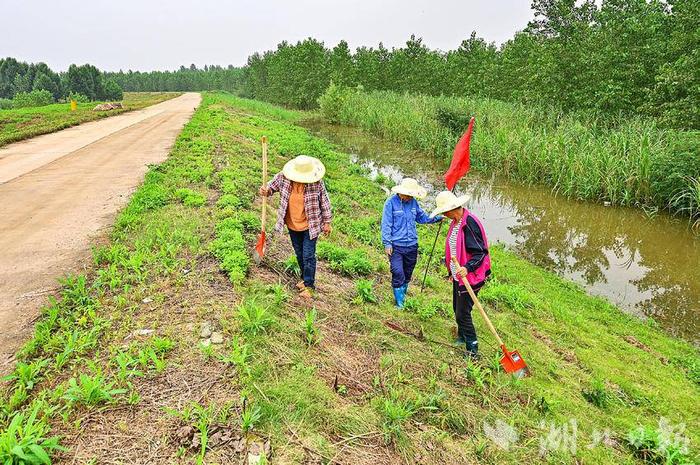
(630, 162)
(23, 123)
(349, 381)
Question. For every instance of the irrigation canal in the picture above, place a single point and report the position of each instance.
(648, 265)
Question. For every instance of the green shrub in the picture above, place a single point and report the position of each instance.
(364, 230)
(691, 365)
(332, 102)
(239, 355)
(480, 375)
(35, 98)
(250, 416)
(5, 104)
(190, 198)
(80, 98)
(248, 221)
(278, 293)
(512, 297)
(69, 326)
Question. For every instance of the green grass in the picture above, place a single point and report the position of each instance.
(23, 123)
(338, 379)
(627, 162)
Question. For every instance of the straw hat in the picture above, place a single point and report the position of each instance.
(304, 169)
(446, 201)
(410, 186)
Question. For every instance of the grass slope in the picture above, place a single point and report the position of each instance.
(123, 368)
(23, 123)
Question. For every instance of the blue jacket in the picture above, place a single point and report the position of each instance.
(399, 222)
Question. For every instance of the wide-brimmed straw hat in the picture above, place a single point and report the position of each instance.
(446, 201)
(304, 169)
(410, 186)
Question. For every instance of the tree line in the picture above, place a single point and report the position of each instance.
(84, 82)
(184, 79)
(618, 58)
(615, 58)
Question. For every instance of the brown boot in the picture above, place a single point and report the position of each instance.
(306, 294)
(300, 285)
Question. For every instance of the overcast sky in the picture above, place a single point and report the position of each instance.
(146, 35)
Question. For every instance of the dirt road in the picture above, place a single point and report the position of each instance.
(59, 192)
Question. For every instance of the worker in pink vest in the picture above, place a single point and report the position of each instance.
(466, 240)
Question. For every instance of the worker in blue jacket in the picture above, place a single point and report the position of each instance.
(399, 235)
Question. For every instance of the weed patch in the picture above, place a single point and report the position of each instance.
(365, 293)
(190, 198)
(25, 440)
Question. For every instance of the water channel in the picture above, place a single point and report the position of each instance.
(647, 265)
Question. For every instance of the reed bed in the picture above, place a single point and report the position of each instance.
(631, 162)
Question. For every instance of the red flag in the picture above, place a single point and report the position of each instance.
(460, 158)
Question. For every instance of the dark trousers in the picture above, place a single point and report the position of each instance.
(305, 250)
(402, 262)
(462, 305)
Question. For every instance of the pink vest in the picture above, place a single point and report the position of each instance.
(463, 256)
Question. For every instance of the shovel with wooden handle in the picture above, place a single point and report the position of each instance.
(511, 361)
(260, 246)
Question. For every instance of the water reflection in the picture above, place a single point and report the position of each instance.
(647, 265)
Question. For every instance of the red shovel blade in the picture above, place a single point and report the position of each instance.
(260, 246)
(513, 363)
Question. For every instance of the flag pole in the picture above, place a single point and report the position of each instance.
(430, 258)
(432, 251)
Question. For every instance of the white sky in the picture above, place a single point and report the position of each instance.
(147, 34)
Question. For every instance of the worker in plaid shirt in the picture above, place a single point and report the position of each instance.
(306, 211)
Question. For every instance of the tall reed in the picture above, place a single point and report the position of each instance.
(627, 162)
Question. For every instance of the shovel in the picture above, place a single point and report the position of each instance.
(260, 246)
(511, 361)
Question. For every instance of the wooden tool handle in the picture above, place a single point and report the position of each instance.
(478, 304)
(264, 181)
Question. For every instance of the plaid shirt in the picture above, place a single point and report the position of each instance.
(317, 205)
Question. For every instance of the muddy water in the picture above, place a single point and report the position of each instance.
(647, 265)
